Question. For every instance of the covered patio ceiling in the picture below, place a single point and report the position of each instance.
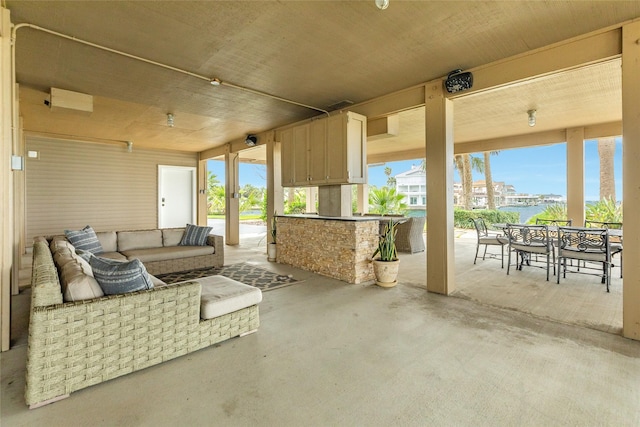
(316, 53)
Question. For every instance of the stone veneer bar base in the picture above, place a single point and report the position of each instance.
(336, 248)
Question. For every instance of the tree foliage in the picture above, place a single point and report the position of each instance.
(386, 201)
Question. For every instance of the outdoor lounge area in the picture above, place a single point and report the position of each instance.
(364, 354)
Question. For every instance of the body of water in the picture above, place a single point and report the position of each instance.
(525, 212)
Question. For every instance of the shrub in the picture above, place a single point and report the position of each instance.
(555, 211)
(462, 218)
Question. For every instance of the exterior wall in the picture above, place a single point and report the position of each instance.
(73, 184)
(333, 248)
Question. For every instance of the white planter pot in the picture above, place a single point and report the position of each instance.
(272, 251)
(386, 272)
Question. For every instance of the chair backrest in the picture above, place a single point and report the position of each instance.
(600, 224)
(556, 222)
(584, 243)
(528, 235)
(481, 227)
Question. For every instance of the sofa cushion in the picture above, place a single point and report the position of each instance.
(119, 277)
(221, 295)
(157, 283)
(129, 240)
(108, 241)
(172, 236)
(63, 255)
(113, 255)
(84, 239)
(195, 235)
(166, 253)
(77, 281)
(59, 242)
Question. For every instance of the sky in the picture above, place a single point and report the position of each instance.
(534, 170)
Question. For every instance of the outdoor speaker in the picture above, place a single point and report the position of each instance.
(457, 81)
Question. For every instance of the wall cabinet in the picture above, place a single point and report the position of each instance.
(326, 151)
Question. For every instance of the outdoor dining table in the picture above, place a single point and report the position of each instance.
(613, 232)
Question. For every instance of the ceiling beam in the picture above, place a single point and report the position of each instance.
(556, 58)
(558, 136)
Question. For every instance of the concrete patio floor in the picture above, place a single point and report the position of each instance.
(503, 350)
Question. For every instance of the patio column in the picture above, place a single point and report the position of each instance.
(439, 149)
(275, 192)
(202, 193)
(232, 195)
(631, 178)
(312, 194)
(6, 180)
(575, 176)
(363, 198)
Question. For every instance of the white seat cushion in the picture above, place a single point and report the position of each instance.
(221, 295)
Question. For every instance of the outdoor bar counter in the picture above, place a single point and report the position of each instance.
(337, 247)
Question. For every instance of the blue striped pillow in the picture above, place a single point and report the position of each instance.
(85, 240)
(195, 235)
(119, 277)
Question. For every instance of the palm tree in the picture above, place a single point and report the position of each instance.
(606, 151)
(385, 201)
(488, 179)
(466, 164)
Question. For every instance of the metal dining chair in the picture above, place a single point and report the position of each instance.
(584, 244)
(528, 239)
(615, 242)
(488, 238)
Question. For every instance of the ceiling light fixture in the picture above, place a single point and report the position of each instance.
(251, 140)
(170, 120)
(382, 4)
(532, 117)
(215, 82)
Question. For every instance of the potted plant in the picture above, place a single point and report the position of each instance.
(385, 267)
(271, 247)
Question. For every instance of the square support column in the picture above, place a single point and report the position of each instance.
(363, 198)
(202, 208)
(575, 176)
(275, 192)
(439, 149)
(631, 178)
(7, 239)
(232, 194)
(312, 195)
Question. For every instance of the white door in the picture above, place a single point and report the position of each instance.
(176, 196)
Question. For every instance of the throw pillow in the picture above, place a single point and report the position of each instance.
(84, 239)
(119, 277)
(195, 235)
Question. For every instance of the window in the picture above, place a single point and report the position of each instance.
(413, 200)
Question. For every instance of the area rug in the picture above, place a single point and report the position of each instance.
(245, 273)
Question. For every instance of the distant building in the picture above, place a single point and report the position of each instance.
(413, 186)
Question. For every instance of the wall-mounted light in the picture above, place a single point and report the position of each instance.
(170, 120)
(251, 140)
(129, 146)
(532, 117)
(382, 4)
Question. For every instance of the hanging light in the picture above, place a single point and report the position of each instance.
(170, 120)
(532, 117)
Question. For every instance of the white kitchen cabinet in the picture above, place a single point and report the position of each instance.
(325, 151)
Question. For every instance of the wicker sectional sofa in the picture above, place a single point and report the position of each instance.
(73, 345)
